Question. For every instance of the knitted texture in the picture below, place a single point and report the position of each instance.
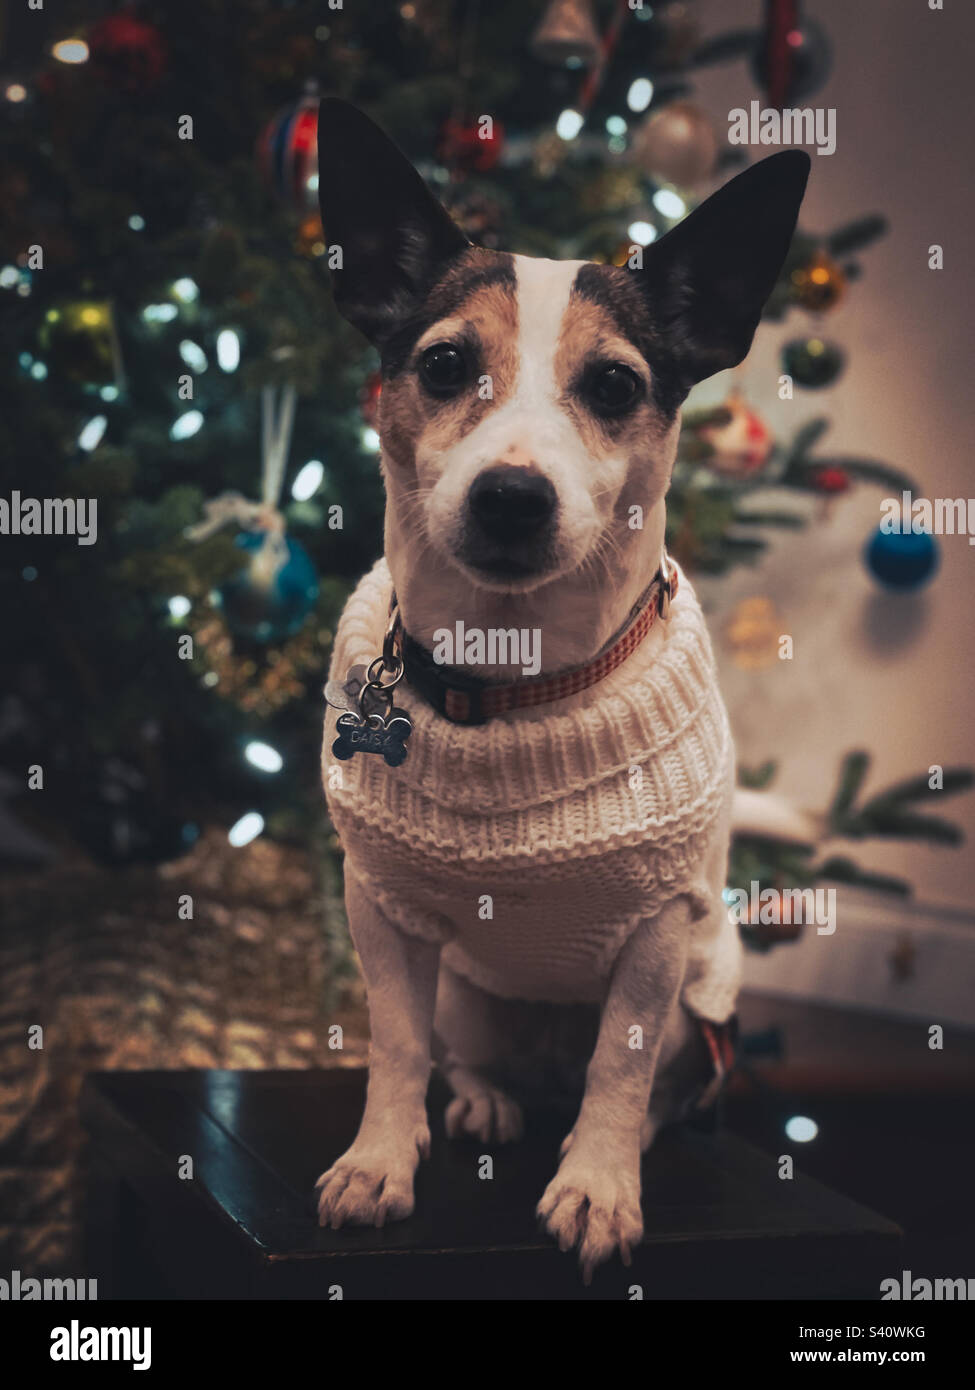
(576, 820)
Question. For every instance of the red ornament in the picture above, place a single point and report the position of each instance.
(287, 154)
(127, 51)
(829, 480)
(770, 932)
(471, 148)
(369, 398)
(741, 446)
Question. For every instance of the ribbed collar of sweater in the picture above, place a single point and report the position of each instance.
(665, 691)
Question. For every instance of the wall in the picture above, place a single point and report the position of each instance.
(892, 675)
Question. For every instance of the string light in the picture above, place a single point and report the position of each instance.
(109, 393)
(186, 425)
(671, 204)
(640, 95)
(228, 350)
(308, 481)
(9, 277)
(39, 371)
(615, 125)
(70, 51)
(187, 291)
(16, 92)
(137, 223)
(569, 124)
(159, 313)
(800, 1129)
(370, 440)
(193, 355)
(263, 756)
(91, 434)
(179, 606)
(246, 829)
(642, 233)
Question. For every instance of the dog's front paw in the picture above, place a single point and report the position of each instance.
(595, 1207)
(371, 1183)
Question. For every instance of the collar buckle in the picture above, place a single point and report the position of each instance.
(667, 589)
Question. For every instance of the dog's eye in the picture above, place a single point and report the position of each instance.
(612, 388)
(443, 370)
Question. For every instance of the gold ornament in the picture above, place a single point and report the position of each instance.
(566, 36)
(819, 284)
(678, 144)
(753, 633)
(79, 342)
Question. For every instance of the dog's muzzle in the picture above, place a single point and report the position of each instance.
(509, 522)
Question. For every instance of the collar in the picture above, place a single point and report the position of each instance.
(462, 698)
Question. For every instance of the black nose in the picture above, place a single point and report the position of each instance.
(511, 503)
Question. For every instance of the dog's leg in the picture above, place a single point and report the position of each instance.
(470, 1034)
(594, 1198)
(373, 1180)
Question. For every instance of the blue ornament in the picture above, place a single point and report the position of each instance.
(902, 560)
(275, 591)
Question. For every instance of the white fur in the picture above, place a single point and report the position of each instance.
(601, 568)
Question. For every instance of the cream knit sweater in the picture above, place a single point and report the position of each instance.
(575, 820)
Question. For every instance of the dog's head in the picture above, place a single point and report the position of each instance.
(528, 404)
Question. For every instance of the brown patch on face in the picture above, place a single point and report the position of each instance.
(480, 317)
(590, 337)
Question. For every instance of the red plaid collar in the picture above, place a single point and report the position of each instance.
(467, 699)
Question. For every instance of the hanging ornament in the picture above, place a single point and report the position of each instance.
(828, 480)
(812, 362)
(903, 560)
(742, 445)
(272, 595)
(792, 59)
(78, 343)
(566, 36)
(310, 240)
(127, 53)
(770, 921)
(471, 148)
(753, 633)
(369, 398)
(818, 285)
(287, 154)
(677, 144)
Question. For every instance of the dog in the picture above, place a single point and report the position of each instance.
(530, 849)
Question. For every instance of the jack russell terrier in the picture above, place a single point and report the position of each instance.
(525, 851)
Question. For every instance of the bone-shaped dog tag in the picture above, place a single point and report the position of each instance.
(387, 737)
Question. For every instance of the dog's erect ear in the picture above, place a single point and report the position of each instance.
(393, 234)
(708, 278)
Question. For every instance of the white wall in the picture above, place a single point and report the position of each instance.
(893, 675)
